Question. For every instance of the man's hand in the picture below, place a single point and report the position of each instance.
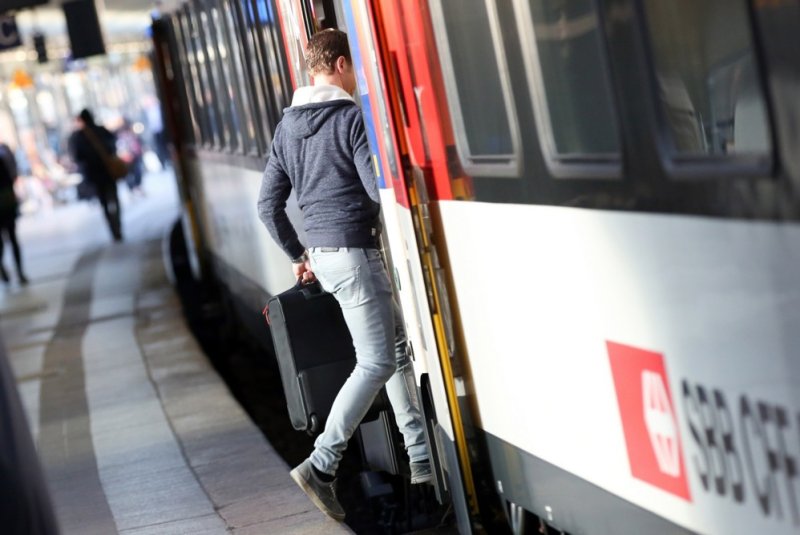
(302, 271)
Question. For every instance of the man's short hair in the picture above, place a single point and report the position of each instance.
(324, 48)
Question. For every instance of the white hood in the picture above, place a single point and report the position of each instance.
(319, 93)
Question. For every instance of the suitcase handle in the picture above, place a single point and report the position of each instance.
(310, 290)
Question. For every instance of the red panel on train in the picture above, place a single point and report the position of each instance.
(648, 419)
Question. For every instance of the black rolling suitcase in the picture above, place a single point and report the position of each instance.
(314, 351)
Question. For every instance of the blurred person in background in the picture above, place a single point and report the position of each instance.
(155, 124)
(132, 152)
(89, 146)
(8, 158)
(9, 210)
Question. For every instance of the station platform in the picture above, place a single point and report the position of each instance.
(136, 432)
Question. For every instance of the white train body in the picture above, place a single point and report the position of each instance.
(594, 237)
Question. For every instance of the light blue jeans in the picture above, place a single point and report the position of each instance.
(360, 283)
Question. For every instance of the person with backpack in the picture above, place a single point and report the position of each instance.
(132, 153)
(92, 147)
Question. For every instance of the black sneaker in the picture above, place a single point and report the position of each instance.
(420, 472)
(322, 494)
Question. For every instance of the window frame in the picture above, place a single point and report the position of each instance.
(193, 73)
(254, 70)
(295, 39)
(371, 69)
(573, 165)
(269, 41)
(188, 92)
(231, 139)
(471, 164)
(239, 79)
(708, 166)
(217, 138)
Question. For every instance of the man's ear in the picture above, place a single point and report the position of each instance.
(341, 63)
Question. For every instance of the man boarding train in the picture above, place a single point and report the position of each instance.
(320, 150)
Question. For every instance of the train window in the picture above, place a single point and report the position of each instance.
(189, 91)
(275, 81)
(213, 120)
(371, 85)
(255, 65)
(568, 78)
(240, 80)
(293, 25)
(219, 51)
(478, 86)
(324, 13)
(707, 78)
(372, 69)
(191, 73)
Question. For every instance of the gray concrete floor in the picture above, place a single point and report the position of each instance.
(136, 432)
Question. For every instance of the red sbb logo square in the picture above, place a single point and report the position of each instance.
(648, 419)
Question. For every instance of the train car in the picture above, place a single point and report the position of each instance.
(591, 212)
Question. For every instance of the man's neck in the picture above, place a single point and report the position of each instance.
(327, 79)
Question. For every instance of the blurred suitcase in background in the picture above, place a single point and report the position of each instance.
(314, 351)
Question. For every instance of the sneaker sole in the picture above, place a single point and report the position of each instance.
(303, 484)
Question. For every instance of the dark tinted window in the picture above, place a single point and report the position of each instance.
(277, 82)
(186, 76)
(477, 82)
(206, 81)
(239, 78)
(576, 115)
(707, 76)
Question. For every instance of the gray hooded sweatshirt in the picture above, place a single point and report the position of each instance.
(320, 149)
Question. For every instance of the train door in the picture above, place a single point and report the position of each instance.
(391, 50)
(381, 444)
(413, 260)
(375, 97)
